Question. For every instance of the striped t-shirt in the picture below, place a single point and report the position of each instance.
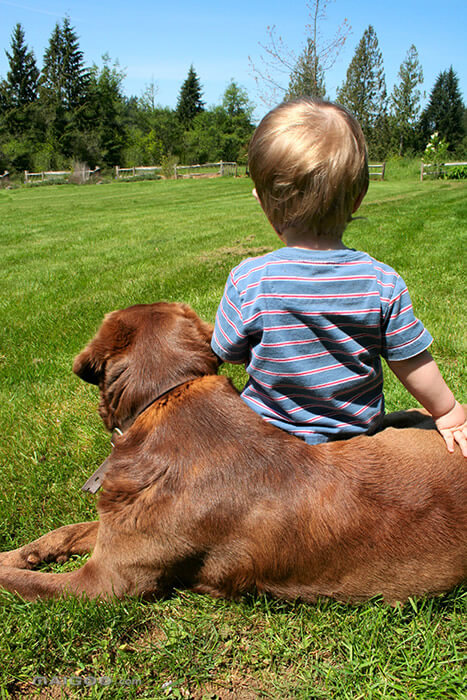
(311, 328)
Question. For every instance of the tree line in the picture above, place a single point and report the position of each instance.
(68, 112)
(393, 124)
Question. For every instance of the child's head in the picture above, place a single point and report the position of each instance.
(308, 160)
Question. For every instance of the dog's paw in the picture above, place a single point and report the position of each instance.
(19, 559)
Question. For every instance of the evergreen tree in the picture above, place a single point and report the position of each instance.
(64, 78)
(364, 90)
(445, 110)
(64, 92)
(405, 99)
(76, 76)
(52, 79)
(18, 103)
(307, 77)
(107, 108)
(22, 78)
(189, 102)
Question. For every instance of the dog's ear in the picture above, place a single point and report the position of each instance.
(113, 338)
(88, 366)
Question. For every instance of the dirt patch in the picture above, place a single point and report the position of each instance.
(241, 248)
(29, 690)
(231, 691)
(198, 176)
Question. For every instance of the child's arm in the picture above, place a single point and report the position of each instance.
(420, 375)
(230, 339)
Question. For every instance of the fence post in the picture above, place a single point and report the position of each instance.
(175, 171)
(117, 171)
(25, 176)
(383, 169)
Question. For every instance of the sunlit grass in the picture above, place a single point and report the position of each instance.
(68, 255)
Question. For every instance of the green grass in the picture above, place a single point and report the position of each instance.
(71, 254)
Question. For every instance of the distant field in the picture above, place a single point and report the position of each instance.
(68, 255)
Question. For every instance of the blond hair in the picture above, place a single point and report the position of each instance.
(308, 160)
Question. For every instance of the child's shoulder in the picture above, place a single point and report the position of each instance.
(283, 260)
(380, 267)
(256, 263)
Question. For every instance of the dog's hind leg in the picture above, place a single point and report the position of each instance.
(57, 545)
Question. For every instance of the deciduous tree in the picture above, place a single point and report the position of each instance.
(281, 73)
(236, 102)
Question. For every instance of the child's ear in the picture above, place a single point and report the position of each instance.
(359, 200)
(255, 195)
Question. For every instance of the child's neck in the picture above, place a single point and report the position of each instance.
(293, 239)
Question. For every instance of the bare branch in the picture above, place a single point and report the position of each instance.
(316, 57)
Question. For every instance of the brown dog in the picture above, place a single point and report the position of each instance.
(201, 492)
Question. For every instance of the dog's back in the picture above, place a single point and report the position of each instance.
(385, 514)
(262, 510)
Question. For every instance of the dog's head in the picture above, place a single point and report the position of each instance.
(140, 352)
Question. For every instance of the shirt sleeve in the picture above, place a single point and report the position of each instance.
(229, 340)
(404, 335)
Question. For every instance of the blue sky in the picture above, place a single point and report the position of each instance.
(158, 41)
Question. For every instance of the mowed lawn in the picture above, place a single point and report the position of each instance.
(69, 255)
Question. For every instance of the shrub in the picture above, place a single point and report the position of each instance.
(436, 153)
(168, 162)
(458, 172)
(80, 173)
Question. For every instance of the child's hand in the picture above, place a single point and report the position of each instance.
(453, 428)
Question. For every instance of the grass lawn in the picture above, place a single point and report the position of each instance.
(68, 255)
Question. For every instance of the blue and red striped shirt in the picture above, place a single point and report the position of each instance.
(311, 327)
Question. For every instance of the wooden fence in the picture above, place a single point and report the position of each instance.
(5, 179)
(436, 170)
(377, 170)
(221, 168)
(183, 171)
(132, 172)
(58, 175)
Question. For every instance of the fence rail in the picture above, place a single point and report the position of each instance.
(427, 169)
(134, 171)
(377, 170)
(224, 168)
(182, 171)
(57, 174)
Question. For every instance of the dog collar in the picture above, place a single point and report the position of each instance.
(93, 484)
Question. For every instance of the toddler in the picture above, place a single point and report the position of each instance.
(312, 320)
